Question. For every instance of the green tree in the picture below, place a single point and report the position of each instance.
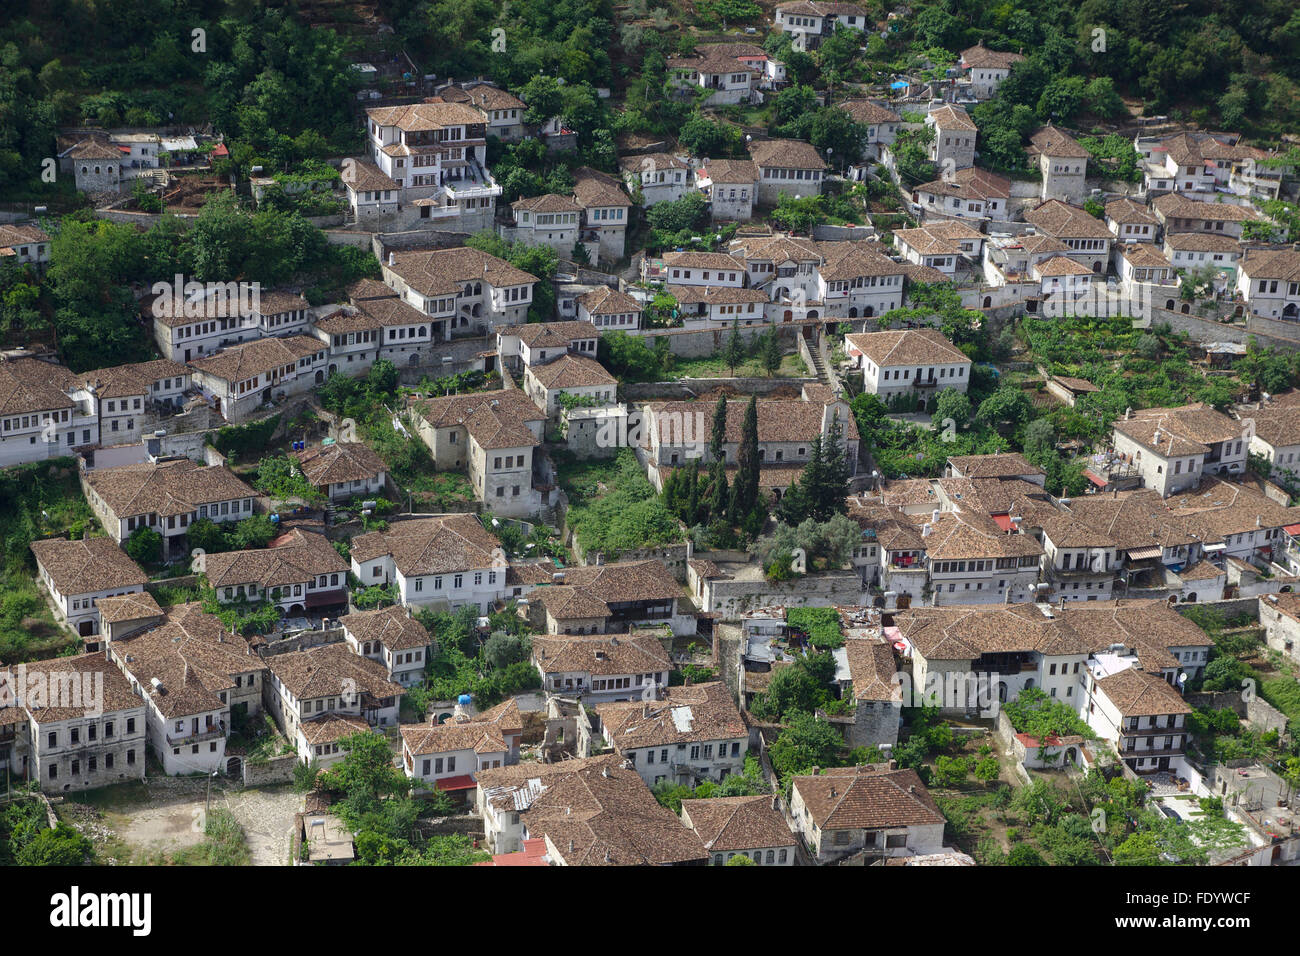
(804, 743)
(771, 353)
(144, 546)
(744, 492)
(734, 352)
(60, 845)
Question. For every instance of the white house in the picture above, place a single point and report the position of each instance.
(78, 574)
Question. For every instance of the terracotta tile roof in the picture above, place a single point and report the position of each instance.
(552, 335)
(869, 113)
(1202, 571)
(393, 627)
(347, 320)
(715, 295)
(1138, 520)
(547, 202)
(439, 545)
(587, 592)
(776, 248)
(970, 183)
(342, 461)
(960, 535)
(1064, 221)
(710, 63)
(137, 378)
(1187, 430)
(488, 97)
(651, 162)
(1065, 531)
(871, 797)
(259, 357)
(688, 714)
(1219, 508)
(11, 236)
(786, 154)
(593, 188)
(493, 419)
(443, 271)
(367, 177)
(166, 488)
(330, 670)
(737, 823)
(600, 654)
(392, 313)
(80, 672)
(981, 57)
(607, 301)
(1178, 206)
(1277, 426)
(599, 815)
(853, 260)
(731, 171)
(95, 149)
(427, 116)
(951, 117)
(872, 669)
(1137, 693)
(88, 565)
(128, 607)
(1144, 255)
(571, 371)
(480, 736)
(193, 658)
(293, 558)
(30, 385)
(279, 302)
(704, 260)
(1051, 141)
(329, 727)
(1127, 211)
(1005, 465)
(364, 289)
(779, 420)
(1281, 264)
(1060, 266)
(1201, 242)
(907, 347)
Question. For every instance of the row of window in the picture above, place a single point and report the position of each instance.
(92, 765)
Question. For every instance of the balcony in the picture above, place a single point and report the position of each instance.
(204, 733)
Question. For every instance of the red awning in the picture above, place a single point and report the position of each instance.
(1095, 479)
(1003, 521)
(462, 782)
(1292, 529)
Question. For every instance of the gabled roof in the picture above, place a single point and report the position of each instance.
(191, 655)
(295, 557)
(76, 672)
(692, 713)
(165, 488)
(951, 117)
(737, 823)
(1137, 693)
(869, 113)
(483, 734)
(907, 347)
(88, 565)
(607, 301)
(571, 371)
(493, 419)
(330, 670)
(393, 627)
(588, 592)
(438, 545)
(1178, 206)
(552, 335)
(1062, 220)
(871, 797)
(786, 154)
(1051, 141)
(593, 188)
(30, 385)
(420, 117)
(1005, 465)
(600, 654)
(443, 271)
(342, 461)
(240, 362)
(980, 56)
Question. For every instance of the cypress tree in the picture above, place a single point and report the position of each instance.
(835, 475)
(744, 494)
(718, 437)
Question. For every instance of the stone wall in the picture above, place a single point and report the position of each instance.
(732, 598)
(688, 388)
(273, 770)
(701, 343)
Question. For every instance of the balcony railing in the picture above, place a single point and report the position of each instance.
(206, 732)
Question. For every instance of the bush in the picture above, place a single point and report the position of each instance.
(144, 546)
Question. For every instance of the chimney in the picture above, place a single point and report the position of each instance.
(391, 258)
(816, 771)
(934, 516)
